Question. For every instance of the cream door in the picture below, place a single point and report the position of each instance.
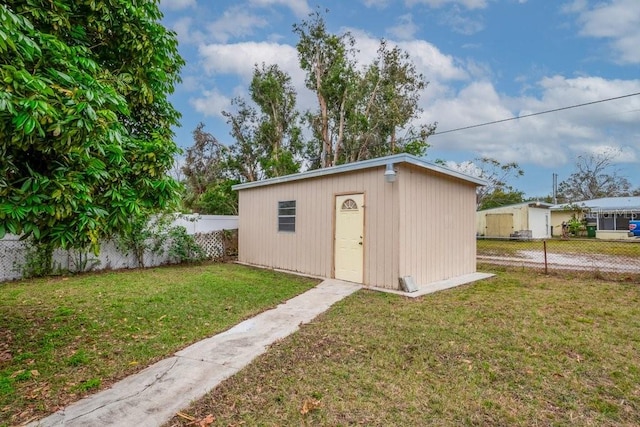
(349, 253)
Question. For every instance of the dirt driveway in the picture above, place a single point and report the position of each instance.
(563, 261)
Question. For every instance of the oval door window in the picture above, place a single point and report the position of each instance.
(349, 205)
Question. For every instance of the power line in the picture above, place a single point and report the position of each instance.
(535, 114)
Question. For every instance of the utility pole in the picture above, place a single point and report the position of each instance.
(555, 188)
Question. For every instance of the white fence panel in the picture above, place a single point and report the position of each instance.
(12, 257)
(195, 223)
(13, 252)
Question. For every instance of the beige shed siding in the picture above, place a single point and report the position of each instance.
(437, 227)
(520, 217)
(310, 249)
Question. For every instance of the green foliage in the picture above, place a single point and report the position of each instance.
(206, 167)
(501, 197)
(82, 261)
(219, 199)
(144, 235)
(183, 248)
(85, 138)
(38, 260)
(361, 109)
(498, 191)
(268, 139)
(157, 235)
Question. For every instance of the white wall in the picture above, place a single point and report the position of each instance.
(539, 223)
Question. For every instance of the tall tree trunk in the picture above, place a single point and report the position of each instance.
(393, 140)
(339, 142)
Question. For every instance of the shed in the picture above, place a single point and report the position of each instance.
(527, 219)
(371, 222)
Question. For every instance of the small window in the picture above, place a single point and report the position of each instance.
(287, 216)
(349, 205)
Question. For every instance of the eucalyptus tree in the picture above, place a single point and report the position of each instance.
(85, 123)
(329, 61)
(267, 133)
(362, 108)
(386, 104)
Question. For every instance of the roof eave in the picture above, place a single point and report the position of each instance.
(364, 164)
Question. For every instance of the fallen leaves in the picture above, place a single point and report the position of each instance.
(6, 338)
(204, 422)
(309, 405)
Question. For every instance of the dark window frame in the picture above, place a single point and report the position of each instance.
(287, 216)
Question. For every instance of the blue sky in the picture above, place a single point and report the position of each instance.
(485, 60)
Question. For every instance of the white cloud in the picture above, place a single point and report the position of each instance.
(240, 58)
(434, 64)
(405, 29)
(549, 139)
(235, 22)
(300, 8)
(615, 20)
(190, 83)
(177, 4)
(380, 4)
(469, 4)
(187, 32)
(460, 23)
(211, 103)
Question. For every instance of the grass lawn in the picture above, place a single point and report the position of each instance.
(518, 349)
(498, 247)
(62, 338)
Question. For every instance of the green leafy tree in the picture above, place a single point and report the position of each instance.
(204, 164)
(328, 60)
(85, 124)
(386, 103)
(361, 109)
(267, 137)
(207, 180)
(498, 191)
(502, 197)
(220, 199)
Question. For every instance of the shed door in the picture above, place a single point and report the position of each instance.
(499, 225)
(349, 238)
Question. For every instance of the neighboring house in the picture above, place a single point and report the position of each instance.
(610, 215)
(527, 220)
(371, 222)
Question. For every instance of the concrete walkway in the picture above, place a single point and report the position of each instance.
(152, 396)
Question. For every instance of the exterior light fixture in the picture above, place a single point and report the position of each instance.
(389, 173)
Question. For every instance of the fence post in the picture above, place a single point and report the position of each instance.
(544, 246)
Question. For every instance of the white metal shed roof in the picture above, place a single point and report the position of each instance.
(364, 164)
(605, 204)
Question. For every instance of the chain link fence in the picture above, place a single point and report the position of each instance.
(605, 258)
(16, 256)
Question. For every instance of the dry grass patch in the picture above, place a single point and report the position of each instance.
(572, 246)
(63, 338)
(518, 349)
